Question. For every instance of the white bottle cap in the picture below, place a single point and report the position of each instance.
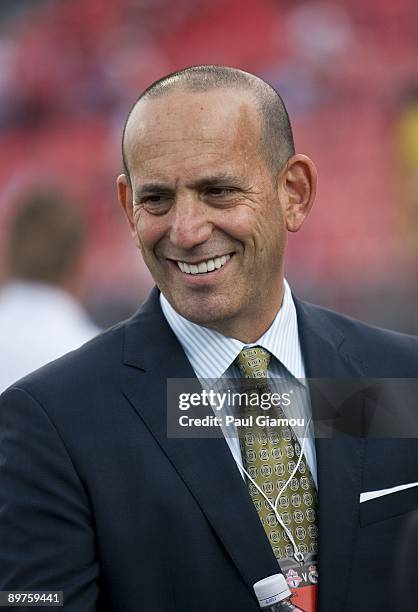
(271, 590)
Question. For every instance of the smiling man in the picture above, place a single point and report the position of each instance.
(97, 501)
(211, 187)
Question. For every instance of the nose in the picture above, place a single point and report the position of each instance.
(190, 224)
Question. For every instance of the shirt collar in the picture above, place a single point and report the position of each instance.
(211, 354)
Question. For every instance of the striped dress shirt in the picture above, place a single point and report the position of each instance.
(216, 359)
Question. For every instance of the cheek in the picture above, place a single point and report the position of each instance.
(269, 236)
(149, 231)
(239, 223)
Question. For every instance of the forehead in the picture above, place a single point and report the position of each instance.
(188, 126)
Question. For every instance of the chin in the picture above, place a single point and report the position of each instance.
(204, 311)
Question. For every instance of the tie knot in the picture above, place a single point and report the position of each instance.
(253, 362)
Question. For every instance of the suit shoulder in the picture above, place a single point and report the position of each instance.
(374, 345)
(360, 328)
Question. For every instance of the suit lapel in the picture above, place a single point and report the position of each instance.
(339, 460)
(152, 355)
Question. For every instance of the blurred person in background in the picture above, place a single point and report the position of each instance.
(40, 314)
(406, 151)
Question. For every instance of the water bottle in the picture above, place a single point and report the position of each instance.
(274, 595)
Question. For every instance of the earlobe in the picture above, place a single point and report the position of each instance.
(300, 181)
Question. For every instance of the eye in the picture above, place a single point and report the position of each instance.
(153, 199)
(220, 191)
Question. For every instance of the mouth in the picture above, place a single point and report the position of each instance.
(206, 266)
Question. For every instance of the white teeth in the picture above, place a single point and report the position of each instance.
(204, 266)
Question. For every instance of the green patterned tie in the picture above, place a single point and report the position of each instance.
(270, 455)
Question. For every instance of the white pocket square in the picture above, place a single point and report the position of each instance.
(368, 495)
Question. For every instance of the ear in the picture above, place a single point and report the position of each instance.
(126, 201)
(298, 185)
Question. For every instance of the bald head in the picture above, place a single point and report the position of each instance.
(276, 133)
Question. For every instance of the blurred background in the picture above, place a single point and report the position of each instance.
(347, 70)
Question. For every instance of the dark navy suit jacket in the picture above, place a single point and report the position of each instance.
(97, 501)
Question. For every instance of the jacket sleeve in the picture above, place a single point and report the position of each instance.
(47, 537)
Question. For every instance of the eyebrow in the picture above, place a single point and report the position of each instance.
(215, 179)
(152, 188)
(207, 181)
